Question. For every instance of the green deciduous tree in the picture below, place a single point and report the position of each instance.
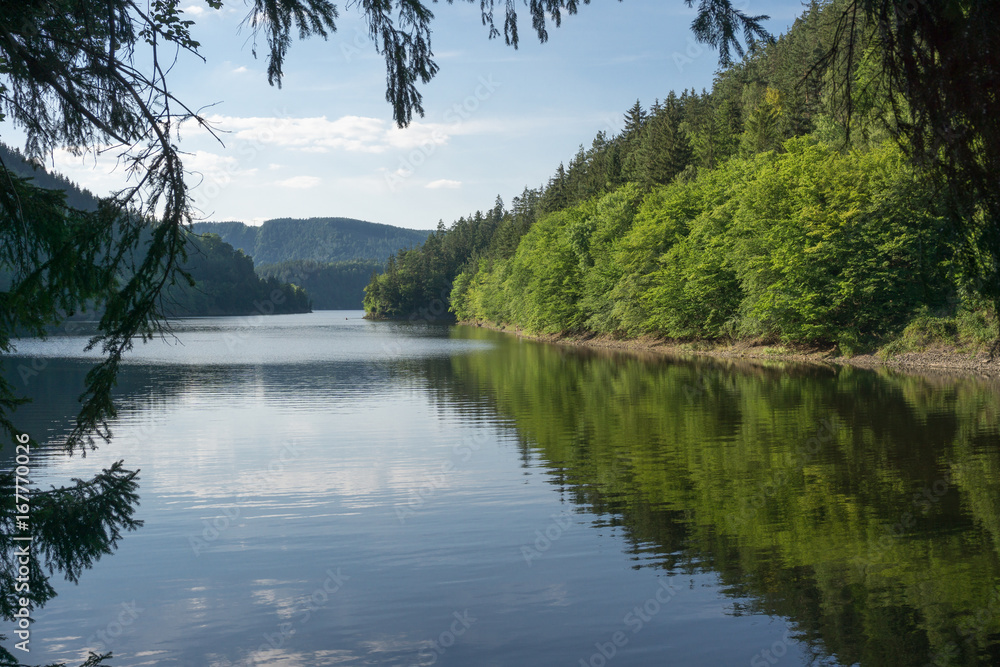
(844, 254)
(807, 245)
(938, 64)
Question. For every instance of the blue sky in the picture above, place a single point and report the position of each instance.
(496, 119)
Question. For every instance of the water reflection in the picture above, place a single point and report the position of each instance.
(57, 531)
(864, 507)
(417, 466)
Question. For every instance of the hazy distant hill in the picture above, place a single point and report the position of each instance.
(317, 239)
(332, 258)
(76, 196)
(330, 285)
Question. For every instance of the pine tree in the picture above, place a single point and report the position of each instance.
(577, 179)
(719, 138)
(665, 150)
(764, 127)
(631, 141)
(635, 118)
(606, 162)
(556, 195)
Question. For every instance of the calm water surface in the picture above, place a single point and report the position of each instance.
(323, 490)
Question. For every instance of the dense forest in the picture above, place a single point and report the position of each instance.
(330, 285)
(225, 282)
(315, 239)
(76, 197)
(776, 206)
(331, 258)
(321, 262)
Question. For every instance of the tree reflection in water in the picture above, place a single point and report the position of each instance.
(71, 528)
(863, 507)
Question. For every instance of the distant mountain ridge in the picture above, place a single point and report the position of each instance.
(317, 239)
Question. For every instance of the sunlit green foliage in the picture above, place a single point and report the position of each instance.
(417, 282)
(806, 245)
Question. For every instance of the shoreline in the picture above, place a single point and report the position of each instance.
(934, 359)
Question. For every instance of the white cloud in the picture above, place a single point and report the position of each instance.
(199, 8)
(300, 182)
(319, 134)
(240, 70)
(214, 167)
(204, 161)
(444, 183)
(98, 173)
(416, 135)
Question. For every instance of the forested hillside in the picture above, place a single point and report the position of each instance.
(225, 281)
(315, 239)
(226, 284)
(76, 196)
(774, 207)
(330, 285)
(331, 258)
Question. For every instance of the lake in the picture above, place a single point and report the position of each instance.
(324, 490)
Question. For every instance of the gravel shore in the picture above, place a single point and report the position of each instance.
(931, 359)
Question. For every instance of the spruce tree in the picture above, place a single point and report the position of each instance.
(556, 194)
(635, 118)
(764, 127)
(632, 138)
(719, 138)
(665, 150)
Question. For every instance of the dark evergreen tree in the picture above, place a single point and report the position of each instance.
(330, 285)
(764, 128)
(603, 165)
(631, 138)
(665, 150)
(719, 137)
(635, 118)
(557, 193)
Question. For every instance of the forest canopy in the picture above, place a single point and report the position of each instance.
(798, 200)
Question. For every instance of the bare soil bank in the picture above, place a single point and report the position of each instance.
(940, 358)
